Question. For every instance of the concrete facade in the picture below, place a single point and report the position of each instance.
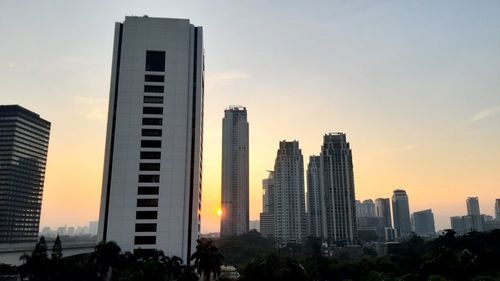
(151, 192)
(337, 188)
(234, 191)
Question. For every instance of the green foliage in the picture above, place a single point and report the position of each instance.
(239, 250)
(448, 257)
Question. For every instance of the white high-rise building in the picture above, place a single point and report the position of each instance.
(314, 197)
(290, 221)
(234, 197)
(337, 188)
(151, 193)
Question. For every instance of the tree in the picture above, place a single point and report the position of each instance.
(36, 266)
(105, 256)
(207, 259)
(57, 250)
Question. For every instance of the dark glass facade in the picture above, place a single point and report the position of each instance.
(24, 140)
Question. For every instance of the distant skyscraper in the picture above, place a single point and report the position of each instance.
(289, 203)
(314, 197)
(358, 208)
(337, 189)
(423, 222)
(24, 141)
(368, 208)
(457, 224)
(473, 223)
(497, 209)
(473, 206)
(401, 213)
(151, 195)
(235, 210)
(267, 215)
(383, 209)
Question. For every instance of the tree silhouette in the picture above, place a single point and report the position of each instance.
(57, 253)
(207, 259)
(105, 256)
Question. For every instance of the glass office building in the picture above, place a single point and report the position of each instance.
(24, 140)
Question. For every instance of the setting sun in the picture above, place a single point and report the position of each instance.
(219, 212)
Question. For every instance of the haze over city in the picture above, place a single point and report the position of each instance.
(414, 85)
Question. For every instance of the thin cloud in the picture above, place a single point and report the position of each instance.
(396, 149)
(485, 113)
(92, 108)
(228, 75)
(11, 65)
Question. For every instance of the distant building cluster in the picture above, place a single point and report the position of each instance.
(474, 220)
(86, 230)
(375, 221)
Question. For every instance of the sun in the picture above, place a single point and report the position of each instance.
(219, 212)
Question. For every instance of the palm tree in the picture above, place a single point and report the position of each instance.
(173, 266)
(105, 256)
(207, 259)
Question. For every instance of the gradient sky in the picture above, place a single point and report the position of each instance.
(415, 85)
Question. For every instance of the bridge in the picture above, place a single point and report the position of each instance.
(10, 254)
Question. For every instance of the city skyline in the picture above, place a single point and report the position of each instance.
(449, 72)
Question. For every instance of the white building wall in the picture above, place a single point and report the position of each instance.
(180, 166)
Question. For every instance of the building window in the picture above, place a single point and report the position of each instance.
(145, 240)
(149, 166)
(152, 110)
(148, 190)
(146, 215)
(154, 78)
(150, 155)
(149, 178)
(151, 143)
(153, 89)
(151, 99)
(147, 202)
(151, 132)
(145, 227)
(144, 252)
(152, 121)
(155, 60)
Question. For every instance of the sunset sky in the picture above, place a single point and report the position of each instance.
(415, 85)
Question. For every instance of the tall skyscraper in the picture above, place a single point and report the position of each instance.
(24, 141)
(151, 194)
(337, 188)
(473, 206)
(383, 209)
(401, 213)
(234, 197)
(289, 203)
(497, 209)
(314, 197)
(423, 222)
(267, 215)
